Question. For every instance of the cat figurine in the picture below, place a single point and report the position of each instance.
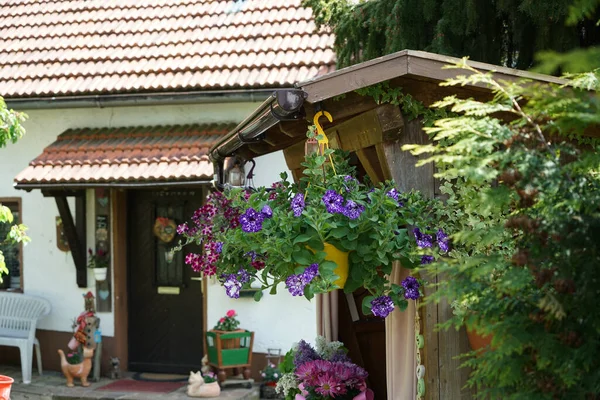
(81, 370)
(198, 388)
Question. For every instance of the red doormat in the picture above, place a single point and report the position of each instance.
(130, 385)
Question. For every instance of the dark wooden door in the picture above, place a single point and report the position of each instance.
(165, 305)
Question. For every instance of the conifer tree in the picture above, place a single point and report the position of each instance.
(502, 32)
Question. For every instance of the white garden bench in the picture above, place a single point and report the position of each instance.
(19, 314)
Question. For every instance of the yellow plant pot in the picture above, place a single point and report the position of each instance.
(341, 259)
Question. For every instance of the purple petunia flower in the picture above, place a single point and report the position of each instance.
(295, 285)
(411, 288)
(298, 204)
(219, 247)
(310, 273)
(443, 241)
(352, 210)
(427, 259)
(392, 193)
(243, 276)
(251, 220)
(333, 202)
(232, 286)
(183, 228)
(382, 306)
(423, 240)
(266, 211)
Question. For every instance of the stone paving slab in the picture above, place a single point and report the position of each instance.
(52, 386)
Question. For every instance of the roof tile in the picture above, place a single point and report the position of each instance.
(77, 47)
(124, 154)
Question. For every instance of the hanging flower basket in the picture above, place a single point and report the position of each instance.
(327, 231)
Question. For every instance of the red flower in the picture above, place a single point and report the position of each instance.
(222, 320)
(231, 313)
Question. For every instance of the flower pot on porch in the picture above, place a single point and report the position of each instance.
(5, 385)
(478, 341)
(268, 391)
(100, 273)
(341, 259)
(230, 349)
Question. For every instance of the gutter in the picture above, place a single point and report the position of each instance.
(124, 185)
(139, 99)
(282, 105)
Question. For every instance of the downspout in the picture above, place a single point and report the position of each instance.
(282, 105)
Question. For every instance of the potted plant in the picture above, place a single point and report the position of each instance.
(323, 373)
(326, 232)
(270, 375)
(464, 310)
(99, 263)
(5, 386)
(229, 347)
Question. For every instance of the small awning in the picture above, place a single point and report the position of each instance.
(127, 156)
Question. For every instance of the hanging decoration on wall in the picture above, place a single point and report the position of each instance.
(61, 238)
(164, 229)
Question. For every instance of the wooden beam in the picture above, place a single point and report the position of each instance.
(375, 126)
(119, 233)
(369, 161)
(77, 249)
(80, 226)
(63, 192)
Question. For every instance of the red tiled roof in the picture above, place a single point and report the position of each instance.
(76, 47)
(135, 154)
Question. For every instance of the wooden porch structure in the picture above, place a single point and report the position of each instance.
(375, 133)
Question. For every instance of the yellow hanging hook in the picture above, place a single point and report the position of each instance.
(320, 130)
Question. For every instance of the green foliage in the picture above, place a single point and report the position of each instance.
(10, 131)
(523, 198)
(506, 32)
(411, 108)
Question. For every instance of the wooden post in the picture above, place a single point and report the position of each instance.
(76, 246)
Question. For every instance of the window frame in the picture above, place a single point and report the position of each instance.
(15, 203)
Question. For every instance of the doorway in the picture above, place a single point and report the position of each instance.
(165, 308)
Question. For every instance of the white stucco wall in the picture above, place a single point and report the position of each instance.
(278, 320)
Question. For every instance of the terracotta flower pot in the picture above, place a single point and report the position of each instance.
(478, 341)
(5, 385)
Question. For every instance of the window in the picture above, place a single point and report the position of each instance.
(13, 253)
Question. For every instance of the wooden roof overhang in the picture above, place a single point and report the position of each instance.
(358, 120)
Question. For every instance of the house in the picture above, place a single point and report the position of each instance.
(374, 134)
(125, 99)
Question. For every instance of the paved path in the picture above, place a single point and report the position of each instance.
(52, 386)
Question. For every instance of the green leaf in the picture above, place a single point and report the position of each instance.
(302, 238)
(328, 266)
(258, 295)
(366, 304)
(302, 256)
(352, 285)
(273, 289)
(340, 232)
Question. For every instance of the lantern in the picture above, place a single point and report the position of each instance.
(235, 175)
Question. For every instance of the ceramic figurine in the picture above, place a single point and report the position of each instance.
(80, 370)
(198, 388)
(116, 368)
